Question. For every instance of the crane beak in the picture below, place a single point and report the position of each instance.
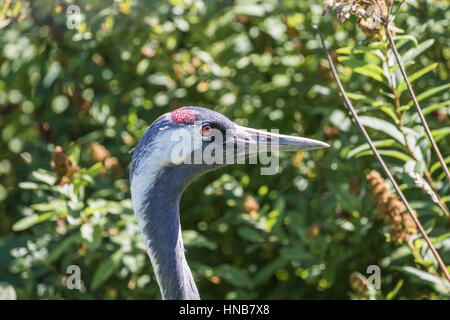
(254, 141)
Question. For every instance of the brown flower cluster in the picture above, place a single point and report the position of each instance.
(101, 154)
(345, 8)
(391, 209)
(358, 282)
(64, 167)
(371, 14)
(331, 132)
(251, 206)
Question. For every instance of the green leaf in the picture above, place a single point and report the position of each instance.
(95, 169)
(142, 66)
(249, 233)
(234, 276)
(402, 86)
(406, 37)
(62, 247)
(106, 269)
(411, 54)
(354, 50)
(440, 134)
(192, 238)
(249, 9)
(268, 270)
(356, 96)
(92, 235)
(429, 109)
(7, 292)
(391, 113)
(390, 153)
(430, 93)
(391, 294)
(31, 220)
(365, 146)
(44, 176)
(296, 253)
(420, 276)
(366, 69)
(26, 222)
(440, 238)
(383, 126)
(385, 108)
(434, 107)
(28, 185)
(54, 205)
(437, 165)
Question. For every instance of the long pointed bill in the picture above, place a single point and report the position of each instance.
(255, 141)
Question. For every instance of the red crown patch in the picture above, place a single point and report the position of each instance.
(184, 115)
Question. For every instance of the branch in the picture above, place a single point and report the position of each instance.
(380, 160)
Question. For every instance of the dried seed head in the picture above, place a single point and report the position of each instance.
(64, 167)
(100, 154)
(371, 14)
(391, 209)
(421, 183)
(358, 282)
(251, 206)
(98, 151)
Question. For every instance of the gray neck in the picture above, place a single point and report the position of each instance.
(157, 212)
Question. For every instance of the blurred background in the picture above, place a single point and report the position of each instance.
(76, 95)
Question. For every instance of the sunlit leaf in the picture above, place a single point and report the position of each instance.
(390, 153)
(411, 54)
(430, 92)
(366, 69)
(402, 86)
(365, 146)
(383, 126)
(440, 134)
(437, 165)
(420, 276)
(31, 220)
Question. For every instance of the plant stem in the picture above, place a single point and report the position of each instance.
(416, 103)
(380, 159)
(427, 174)
(418, 256)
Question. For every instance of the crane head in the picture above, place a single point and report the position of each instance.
(194, 140)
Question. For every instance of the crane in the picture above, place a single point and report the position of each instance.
(162, 167)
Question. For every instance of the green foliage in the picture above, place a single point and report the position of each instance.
(259, 63)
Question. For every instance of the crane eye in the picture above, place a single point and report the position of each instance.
(206, 130)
